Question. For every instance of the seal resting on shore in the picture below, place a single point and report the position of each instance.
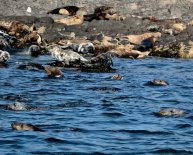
(66, 10)
(14, 27)
(73, 20)
(137, 39)
(24, 126)
(67, 56)
(103, 13)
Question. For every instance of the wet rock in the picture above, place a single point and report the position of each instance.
(101, 61)
(170, 112)
(24, 126)
(156, 82)
(173, 50)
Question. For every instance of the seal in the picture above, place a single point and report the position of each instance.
(66, 10)
(84, 48)
(73, 20)
(24, 126)
(156, 82)
(18, 106)
(53, 71)
(4, 57)
(137, 39)
(66, 56)
(103, 13)
(117, 77)
(170, 112)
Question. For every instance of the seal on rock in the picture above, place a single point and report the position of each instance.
(66, 10)
(73, 20)
(66, 56)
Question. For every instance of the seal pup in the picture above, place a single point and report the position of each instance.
(24, 126)
(53, 71)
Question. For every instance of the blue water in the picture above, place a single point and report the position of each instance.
(117, 117)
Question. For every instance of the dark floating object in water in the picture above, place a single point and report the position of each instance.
(24, 126)
(53, 71)
(117, 77)
(156, 82)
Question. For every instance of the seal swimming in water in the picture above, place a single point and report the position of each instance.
(156, 82)
(53, 71)
(4, 57)
(170, 112)
(24, 126)
(117, 77)
(18, 106)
